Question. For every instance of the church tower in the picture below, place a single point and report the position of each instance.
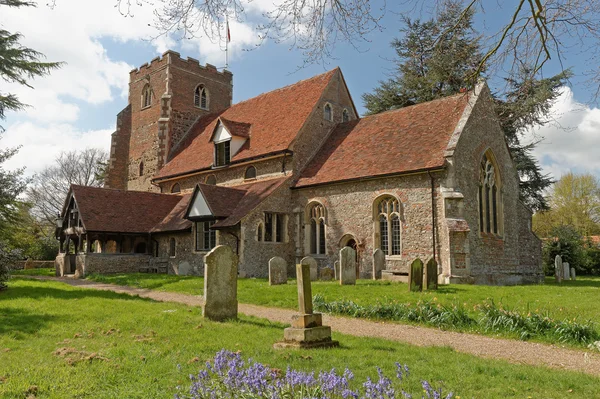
(166, 97)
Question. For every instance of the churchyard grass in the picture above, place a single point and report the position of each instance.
(58, 341)
(34, 272)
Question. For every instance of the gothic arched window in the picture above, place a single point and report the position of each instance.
(201, 97)
(387, 217)
(316, 216)
(345, 115)
(146, 96)
(328, 112)
(489, 196)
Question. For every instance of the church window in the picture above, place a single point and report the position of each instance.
(345, 115)
(274, 227)
(211, 180)
(250, 173)
(172, 247)
(141, 171)
(268, 226)
(223, 153)
(388, 218)
(146, 96)
(328, 112)
(176, 188)
(259, 232)
(201, 97)
(206, 238)
(316, 213)
(489, 196)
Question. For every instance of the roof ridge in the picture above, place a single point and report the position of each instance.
(389, 111)
(126, 191)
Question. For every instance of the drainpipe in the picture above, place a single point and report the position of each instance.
(433, 225)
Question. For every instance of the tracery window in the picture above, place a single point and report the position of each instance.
(387, 211)
(489, 196)
(201, 97)
(317, 229)
(328, 112)
(146, 96)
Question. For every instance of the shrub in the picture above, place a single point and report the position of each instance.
(229, 376)
(7, 258)
(567, 243)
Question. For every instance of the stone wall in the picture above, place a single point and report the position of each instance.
(118, 172)
(187, 260)
(33, 264)
(110, 263)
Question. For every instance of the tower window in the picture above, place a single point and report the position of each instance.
(146, 96)
(328, 112)
(201, 97)
(222, 153)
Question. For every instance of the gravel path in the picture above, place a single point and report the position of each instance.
(514, 351)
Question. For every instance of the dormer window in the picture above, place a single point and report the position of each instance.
(223, 153)
(201, 97)
(345, 115)
(328, 112)
(146, 96)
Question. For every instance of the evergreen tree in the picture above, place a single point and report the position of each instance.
(18, 63)
(436, 59)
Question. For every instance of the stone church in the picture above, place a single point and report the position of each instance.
(296, 172)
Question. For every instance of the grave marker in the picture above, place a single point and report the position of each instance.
(220, 284)
(558, 268)
(415, 276)
(573, 276)
(277, 271)
(312, 263)
(378, 263)
(431, 275)
(566, 271)
(347, 266)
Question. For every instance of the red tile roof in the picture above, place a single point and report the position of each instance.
(239, 129)
(175, 220)
(221, 200)
(275, 118)
(109, 210)
(408, 139)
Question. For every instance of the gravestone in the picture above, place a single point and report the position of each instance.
(336, 270)
(573, 276)
(327, 274)
(431, 275)
(558, 268)
(307, 330)
(347, 266)
(277, 271)
(220, 284)
(566, 271)
(312, 263)
(378, 263)
(29, 264)
(415, 275)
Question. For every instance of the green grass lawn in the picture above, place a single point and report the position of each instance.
(572, 299)
(34, 272)
(128, 347)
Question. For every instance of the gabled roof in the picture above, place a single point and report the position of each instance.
(175, 220)
(219, 201)
(239, 129)
(400, 141)
(109, 210)
(272, 120)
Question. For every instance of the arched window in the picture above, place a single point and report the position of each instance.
(146, 96)
(316, 213)
(201, 97)
(345, 115)
(176, 188)
(328, 112)
(212, 180)
(250, 173)
(141, 168)
(489, 196)
(172, 247)
(387, 216)
(259, 232)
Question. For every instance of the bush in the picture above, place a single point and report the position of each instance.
(229, 376)
(567, 243)
(7, 258)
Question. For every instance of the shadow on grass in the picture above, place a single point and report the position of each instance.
(142, 280)
(583, 282)
(21, 321)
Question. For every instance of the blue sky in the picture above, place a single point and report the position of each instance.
(76, 106)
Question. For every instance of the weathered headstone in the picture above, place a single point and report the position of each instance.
(312, 263)
(277, 271)
(573, 276)
(220, 284)
(378, 263)
(431, 275)
(327, 274)
(558, 268)
(307, 330)
(415, 275)
(347, 266)
(566, 271)
(29, 264)
(336, 270)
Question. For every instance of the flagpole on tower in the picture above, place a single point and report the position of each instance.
(227, 40)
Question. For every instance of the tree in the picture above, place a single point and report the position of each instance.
(567, 243)
(18, 64)
(426, 71)
(49, 188)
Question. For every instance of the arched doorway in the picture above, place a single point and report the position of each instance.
(349, 240)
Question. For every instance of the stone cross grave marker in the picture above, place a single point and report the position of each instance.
(566, 271)
(558, 268)
(220, 284)
(378, 263)
(573, 274)
(312, 263)
(277, 271)
(431, 275)
(307, 330)
(347, 266)
(415, 275)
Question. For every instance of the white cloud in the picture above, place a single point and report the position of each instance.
(572, 142)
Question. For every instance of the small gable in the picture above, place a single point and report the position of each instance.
(199, 208)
